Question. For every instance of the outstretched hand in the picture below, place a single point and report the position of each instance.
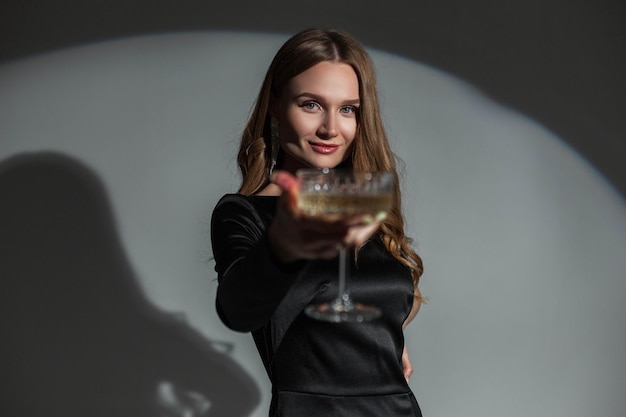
(294, 235)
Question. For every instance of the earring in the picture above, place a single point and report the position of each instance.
(275, 145)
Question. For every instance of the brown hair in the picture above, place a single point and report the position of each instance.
(371, 149)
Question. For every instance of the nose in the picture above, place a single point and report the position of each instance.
(328, 127)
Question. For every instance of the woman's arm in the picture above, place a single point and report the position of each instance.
(252, 282)
(256, 266)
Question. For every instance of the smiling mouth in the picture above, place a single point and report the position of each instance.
(324, 148)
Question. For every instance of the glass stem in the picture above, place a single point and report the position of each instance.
(343, 272)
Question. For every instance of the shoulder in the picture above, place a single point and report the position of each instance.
(233, 200)
(259, 208)
(230, 204)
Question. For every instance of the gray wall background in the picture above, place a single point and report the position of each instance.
(507, 117)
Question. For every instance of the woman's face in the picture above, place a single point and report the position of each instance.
(317, 116)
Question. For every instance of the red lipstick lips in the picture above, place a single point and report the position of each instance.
(324, 148)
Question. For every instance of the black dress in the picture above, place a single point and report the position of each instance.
(317, 369)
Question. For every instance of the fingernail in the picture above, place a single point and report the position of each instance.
(381, 216)
(367, 219)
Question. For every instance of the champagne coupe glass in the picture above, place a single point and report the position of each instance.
(332, 194)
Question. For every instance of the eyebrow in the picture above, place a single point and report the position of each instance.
(354, 101)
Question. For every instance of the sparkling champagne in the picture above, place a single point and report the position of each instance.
(331, 204)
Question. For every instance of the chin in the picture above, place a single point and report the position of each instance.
(318, 162)
(333, 164)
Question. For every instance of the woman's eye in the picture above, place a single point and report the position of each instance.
(310, 105)
(349, 109)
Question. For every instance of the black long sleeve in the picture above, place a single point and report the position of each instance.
(251, 282)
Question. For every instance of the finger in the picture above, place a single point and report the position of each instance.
(357, 235)
(288, 184)
(365, 219)
(328, 252)
(285, 180)
(314, 241)
(317, 251)
(407, 367)
(407, 373)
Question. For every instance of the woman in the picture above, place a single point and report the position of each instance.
(318, 107)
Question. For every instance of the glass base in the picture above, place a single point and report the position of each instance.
(342, 310)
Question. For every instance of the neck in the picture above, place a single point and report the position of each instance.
(270, 190)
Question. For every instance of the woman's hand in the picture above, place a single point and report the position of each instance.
(407, 367)
(294, 235)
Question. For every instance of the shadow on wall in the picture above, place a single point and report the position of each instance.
(79, 338)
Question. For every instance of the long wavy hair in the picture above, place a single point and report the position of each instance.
(371, 150)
